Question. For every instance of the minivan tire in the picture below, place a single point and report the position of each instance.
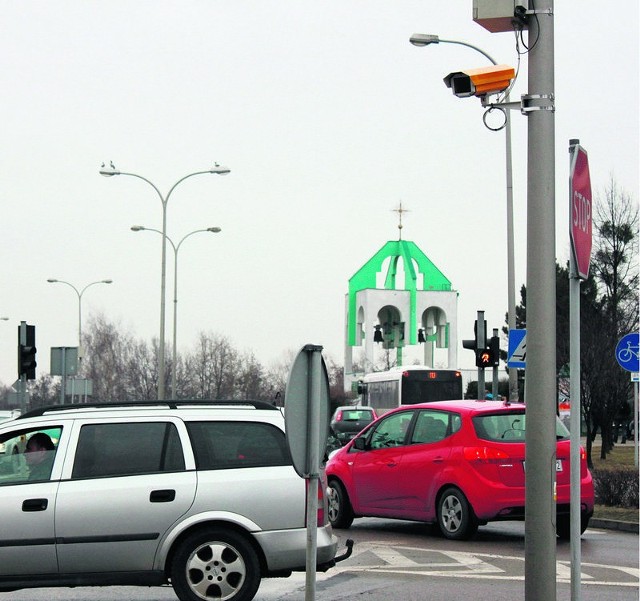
(215, 563)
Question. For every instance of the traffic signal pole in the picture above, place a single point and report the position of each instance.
(494, 383)
(540, 390)
(22, 341)
(481, 337)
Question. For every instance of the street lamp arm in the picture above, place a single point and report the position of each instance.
(181, 180)
(460, 43)
(426, 39)
(162, 198)
(54, 281)
(92, 284)
(209, 229)
(142, 228)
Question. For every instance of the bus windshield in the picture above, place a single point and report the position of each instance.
(428, 386)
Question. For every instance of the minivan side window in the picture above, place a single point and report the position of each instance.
(28, 454)
(225, 445)
(124, 449)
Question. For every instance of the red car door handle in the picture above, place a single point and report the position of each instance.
(392, 464)
(438, 459)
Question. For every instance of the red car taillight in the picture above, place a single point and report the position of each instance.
(339, 416)
(484, 454)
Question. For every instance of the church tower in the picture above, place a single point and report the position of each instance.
(399, 298)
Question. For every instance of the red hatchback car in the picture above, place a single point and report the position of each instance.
(458, 463)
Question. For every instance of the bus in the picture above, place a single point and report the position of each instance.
(407, 385)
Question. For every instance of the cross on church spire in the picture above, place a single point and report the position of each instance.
(400, 210)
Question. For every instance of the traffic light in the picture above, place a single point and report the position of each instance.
(484, 357)
(27, 352)
(494, 347)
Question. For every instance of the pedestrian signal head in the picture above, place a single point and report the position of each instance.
(480, 82)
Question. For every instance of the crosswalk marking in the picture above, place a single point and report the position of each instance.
(401, 559)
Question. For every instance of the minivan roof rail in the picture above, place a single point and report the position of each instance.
(170, 404)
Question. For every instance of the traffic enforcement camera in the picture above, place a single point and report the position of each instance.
(480, 82)
(27, 353)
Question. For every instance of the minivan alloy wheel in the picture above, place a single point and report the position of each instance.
(215, 565)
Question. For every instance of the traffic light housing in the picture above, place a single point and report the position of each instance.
(489, 356)
(494, 347)
(484, 357)
(27, 352)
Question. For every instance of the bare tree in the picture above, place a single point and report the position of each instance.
(615, 272)
(615, 263)
(250, 383)
(106, 359)
(213, 366)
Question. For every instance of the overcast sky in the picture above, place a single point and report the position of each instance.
(327, 118)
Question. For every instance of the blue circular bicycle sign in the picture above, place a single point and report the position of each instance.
(627, 352)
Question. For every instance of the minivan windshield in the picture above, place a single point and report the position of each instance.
(509, 427)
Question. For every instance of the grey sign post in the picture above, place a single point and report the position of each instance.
(306, 411)
(64, 362)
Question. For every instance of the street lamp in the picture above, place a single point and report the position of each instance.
(79, 293)
(423, 39)
(176, 248)
(108, 172)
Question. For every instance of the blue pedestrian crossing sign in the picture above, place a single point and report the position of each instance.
(627, 352)
(517, 351)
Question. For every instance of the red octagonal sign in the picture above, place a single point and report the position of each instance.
(580, 210)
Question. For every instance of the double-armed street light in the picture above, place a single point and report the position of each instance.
(79, 293)
(164, 199)
(423, 39)
(176, 248)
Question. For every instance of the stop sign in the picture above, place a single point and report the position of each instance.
(580, 210)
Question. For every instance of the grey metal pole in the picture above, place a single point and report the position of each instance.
(540, 392)
(315, 374)
(576, 408)
(494, 369)
(426, 40)
(511, 274)
(511, 277)
(174, 361)
(23, 378)
(163, 284)
(176, 248)
(481, 337)
(63, 386)
(635, 424)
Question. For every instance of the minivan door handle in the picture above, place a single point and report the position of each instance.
(35, 504)
(162, 496)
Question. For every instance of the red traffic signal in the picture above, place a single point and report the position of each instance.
(484, 357)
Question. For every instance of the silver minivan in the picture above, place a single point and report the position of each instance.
(186, 493)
